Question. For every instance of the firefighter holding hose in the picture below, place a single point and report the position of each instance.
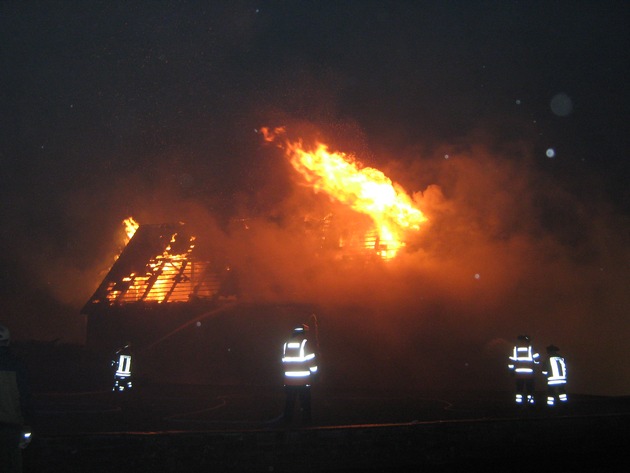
(121, 364)
(300, 367)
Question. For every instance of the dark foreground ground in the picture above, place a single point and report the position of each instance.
(170, 428)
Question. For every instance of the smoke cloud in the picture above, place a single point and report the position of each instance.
(506, 251)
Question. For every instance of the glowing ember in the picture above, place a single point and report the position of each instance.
(364, 189)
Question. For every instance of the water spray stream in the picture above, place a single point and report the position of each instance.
(313, 318)
(212, 313)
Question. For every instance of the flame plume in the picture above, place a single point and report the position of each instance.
(364, 189)
(130, 227)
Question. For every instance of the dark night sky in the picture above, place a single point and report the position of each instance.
(110, 109)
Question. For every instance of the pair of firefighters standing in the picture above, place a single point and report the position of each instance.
(522, 365)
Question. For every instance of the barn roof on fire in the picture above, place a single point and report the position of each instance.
(160, 264)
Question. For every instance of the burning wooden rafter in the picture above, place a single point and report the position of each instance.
(158, 265)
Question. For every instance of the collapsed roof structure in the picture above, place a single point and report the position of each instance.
(160, 270)
(159, 265)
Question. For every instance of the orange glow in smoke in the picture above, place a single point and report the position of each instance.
(364, 189)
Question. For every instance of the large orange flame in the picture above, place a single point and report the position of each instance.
(364, 189)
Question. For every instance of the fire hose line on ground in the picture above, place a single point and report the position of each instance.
(71, 394)
(180, 417)
(447, 405)
(87, 408)
(184, 417)
(94, 410)
(250, 423)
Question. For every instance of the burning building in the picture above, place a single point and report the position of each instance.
(175, 300)
(174, 292)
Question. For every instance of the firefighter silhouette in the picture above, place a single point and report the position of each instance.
(522, 363)
(15, 406)
(555, 371)
(300, 366)
(122, 369)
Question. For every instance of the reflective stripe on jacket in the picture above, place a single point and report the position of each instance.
(123, 367)
(555, 370)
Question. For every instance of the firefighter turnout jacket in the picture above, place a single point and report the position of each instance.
(523, 360)
(298, 360)
(122, 365)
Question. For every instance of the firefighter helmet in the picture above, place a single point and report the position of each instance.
(5, 335)
(552, 349)
(300, 329)
(524, 338)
